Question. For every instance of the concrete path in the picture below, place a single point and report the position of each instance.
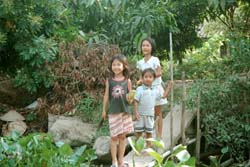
(147, 161)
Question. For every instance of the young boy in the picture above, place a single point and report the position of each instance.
(145, 98)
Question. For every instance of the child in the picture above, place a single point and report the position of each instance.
(119, 117)
(148, 49)
(145, 99)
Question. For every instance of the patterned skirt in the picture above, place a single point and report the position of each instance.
(120, 123)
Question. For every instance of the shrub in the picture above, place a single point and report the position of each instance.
(39, 150)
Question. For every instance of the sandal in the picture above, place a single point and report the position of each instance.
(125, 164)
(114, 165)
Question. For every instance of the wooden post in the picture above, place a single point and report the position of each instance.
(172, 92)
(183, 110)
(198, 135)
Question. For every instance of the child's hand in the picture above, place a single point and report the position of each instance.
(169, 87)
(139, 82)
(136, 116)
(171, 83)
(130, 96)
(104, 115)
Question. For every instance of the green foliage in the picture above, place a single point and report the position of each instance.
(179, 156)
(39, 150)
(225, 113)
(89, 109)
(203, 62)
(28, 28)
(232, 13)
(225, 98)
(215, 161)
(36, 55)
(2, 39)
(240, 52)
(121, 22)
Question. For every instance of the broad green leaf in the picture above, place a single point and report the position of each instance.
(140, 144)
(15, 135)
(65, 149)
(132, 144)
(158, 143)
(178, 148)
(183, 155)
(155, 155)
(169, 164)
(224, 150)
(59, 143)
(4, 145)
(191, 162)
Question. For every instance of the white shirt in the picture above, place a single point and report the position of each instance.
(146, 98)
(153, 63)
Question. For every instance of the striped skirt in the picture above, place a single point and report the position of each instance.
(120, 123)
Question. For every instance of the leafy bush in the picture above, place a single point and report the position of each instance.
(80, 69)
(203, 62)
(36, 55)
(225, 114)
(89, 109)
(27, 29)
(40, 151)
(180, 156)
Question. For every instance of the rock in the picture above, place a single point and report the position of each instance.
(18, 126)
(102, 149)
(33, 105)
(102, 146)
(71, 130)
(12, 115)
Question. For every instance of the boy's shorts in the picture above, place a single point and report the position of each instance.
(145, 124)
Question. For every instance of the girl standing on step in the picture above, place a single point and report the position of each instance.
(148, 48)
(119, 117)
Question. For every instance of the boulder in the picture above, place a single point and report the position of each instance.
(71, 130)
(12, 115)
(18, 126)
(102, 149)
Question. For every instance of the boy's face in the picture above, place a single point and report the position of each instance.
(148, 79)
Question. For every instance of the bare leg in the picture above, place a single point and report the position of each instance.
(158, 114)
(148, 135)
(138, 135)
(121, 150)
(113, 148)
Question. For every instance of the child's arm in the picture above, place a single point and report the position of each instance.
(129, 85)
(105, 100)
(158, 72)
(139, 82)
(170, 84)
(136, 113)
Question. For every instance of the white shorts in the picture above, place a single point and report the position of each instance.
(160, 90)
(145, 124)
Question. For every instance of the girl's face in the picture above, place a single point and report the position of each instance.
(148, 79)
(117, 67)
(146, 48)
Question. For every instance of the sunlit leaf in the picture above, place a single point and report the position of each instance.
(158, 157)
